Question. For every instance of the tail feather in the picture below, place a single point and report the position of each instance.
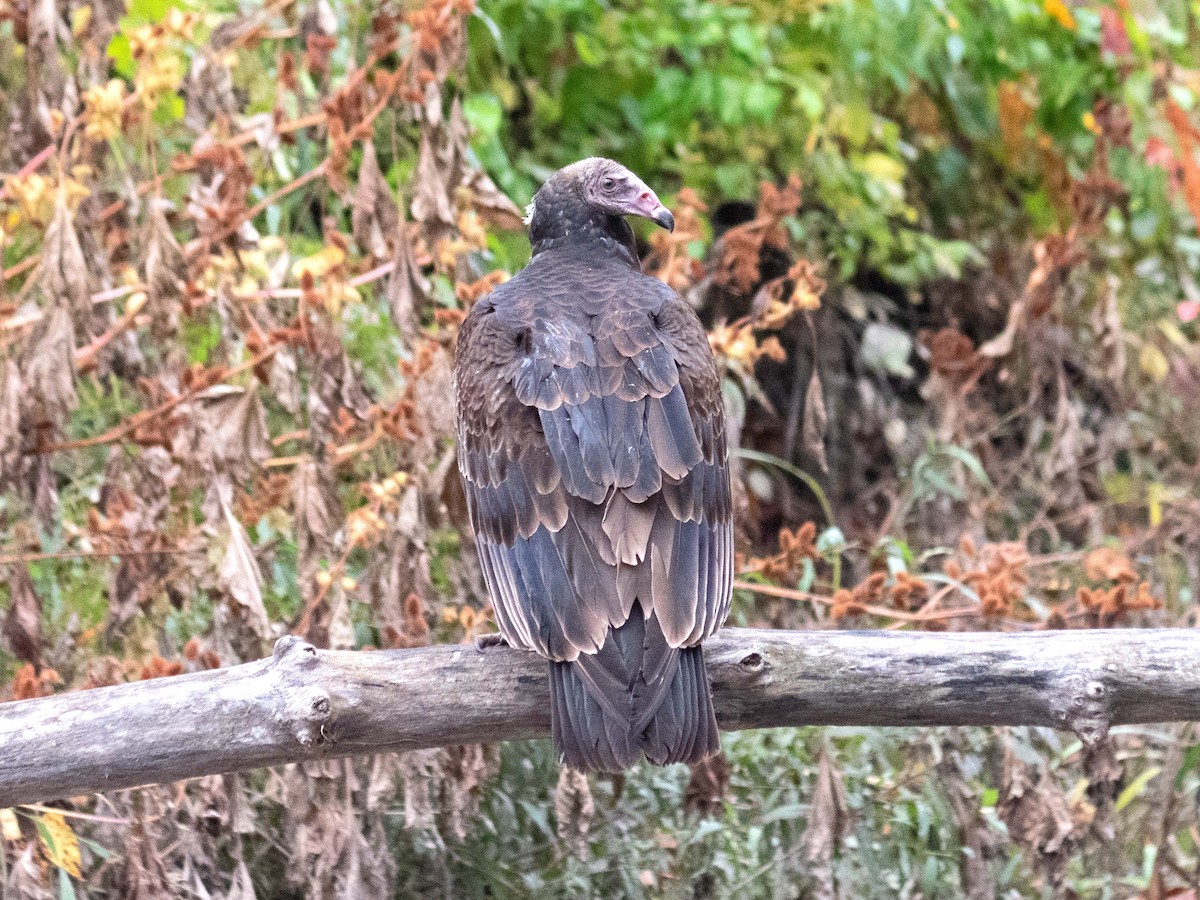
(637, 695)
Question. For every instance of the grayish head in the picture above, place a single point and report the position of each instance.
(605, 186)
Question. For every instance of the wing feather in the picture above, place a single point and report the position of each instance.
(592, 447)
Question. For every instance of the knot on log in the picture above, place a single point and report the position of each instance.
(753, 667)
(290, 648)
(309, 717)
(307, 712)
(1089, 714)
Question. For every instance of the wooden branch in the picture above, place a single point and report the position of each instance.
(304, 703)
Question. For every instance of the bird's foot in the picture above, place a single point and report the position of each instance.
(492, 639)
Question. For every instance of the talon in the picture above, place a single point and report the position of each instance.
(493, 639)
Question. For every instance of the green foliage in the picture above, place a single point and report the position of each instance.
(889, 109)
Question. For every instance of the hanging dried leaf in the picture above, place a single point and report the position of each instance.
(240, 577)
(234, 431)
(11, 438)
(431, 199)
(1016, 115)
(209, 90)
(64, 271)
(242, 885)
(284, 380)
(708, 785)
(374, 214)
(56, 97)
(816, 421)
(317, 507)
(979, 840)
(1104, 774)
(407, 288)
(1038, 817)
(339, 628)
(493, 206)
(574, 810)
(462, 771)
(143, 875)
(49, 370)
(416, 774)
(828, 824)
(166, 274)
(23, 624)
(26, 880)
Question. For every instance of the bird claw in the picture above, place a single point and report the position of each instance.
(493, 639)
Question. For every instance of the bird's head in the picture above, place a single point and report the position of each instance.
(594, 187)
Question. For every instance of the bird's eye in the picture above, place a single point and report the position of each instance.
(608, 183)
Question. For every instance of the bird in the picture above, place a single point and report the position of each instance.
(592, 450)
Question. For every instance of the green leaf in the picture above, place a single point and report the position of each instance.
(483, 113)
(1136, 787)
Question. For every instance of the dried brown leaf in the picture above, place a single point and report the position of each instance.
(143, 875)
(166, 274)
(11, 437)
(493, 206)
(816, 421)
(1002, 344)
(828, 824)
(23, 624)
(316, 505)
(209, 91)
(374, 214)
(407, 288)
(1038, 817)
(1110, 334)
(49, 370)
(240, 577)
(708, 785)
(416, 774)
(241, 887)
(431, 195)
(284, 380)
(574, 809)
(234, 432)
(26, 880)
(64, 271)
(55, 95)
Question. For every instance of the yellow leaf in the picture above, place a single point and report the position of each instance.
(1154, 363)
(1059, 11)
(320, 263)
(1154, 503)
(882, 167)
(1172, 333)
(81, 17)
(60, 843)
(9, 827)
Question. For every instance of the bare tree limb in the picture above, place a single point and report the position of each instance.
(305, 703)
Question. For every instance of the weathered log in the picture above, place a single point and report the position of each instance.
(304, 703)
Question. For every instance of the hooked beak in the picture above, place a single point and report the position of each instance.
(647, 206)
(663, 218)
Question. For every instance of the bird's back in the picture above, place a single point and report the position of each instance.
(592, 448)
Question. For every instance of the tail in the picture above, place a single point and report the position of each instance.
(636, 695)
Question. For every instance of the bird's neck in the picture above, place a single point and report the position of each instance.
(555, 226)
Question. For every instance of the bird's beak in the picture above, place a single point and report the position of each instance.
(647, 206)
(662, 217)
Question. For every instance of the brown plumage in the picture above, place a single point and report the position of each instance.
(592, 449)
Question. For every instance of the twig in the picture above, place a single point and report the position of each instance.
(120, 431)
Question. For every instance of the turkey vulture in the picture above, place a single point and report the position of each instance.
(591, 442)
